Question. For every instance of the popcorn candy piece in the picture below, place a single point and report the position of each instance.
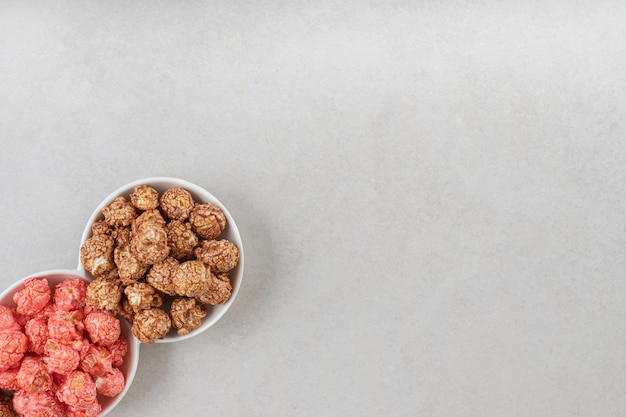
(118, 350)
(187, 314)
(120, 212)
(151, 324)
(78, 390)
(177, 203)
(34, 297)
(110, 384)
(33, 375)
(93, 410)
(121, 236)
(100, 227)
(144, 197)
(207, 220)
(61, 357)
(160, 275)
(181, 239)
(98, 361)
(70, 294)
(219, 255)
(6, 406)
(66, 325)
(129, 267)
(218, 292)
(13, 345)
(191, 278)
(36, 329)
(39, 404)
(104, 293)
(141, 296)
(8, 321)
(8, 380)
(149, 216)
(149, 243)
(103, 328)
(96, 255)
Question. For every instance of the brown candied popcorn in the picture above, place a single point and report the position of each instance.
(191, 278)
(149, 243)
(177, 203)
(151, 324)
(120, 212)
(219, 255)
(96, 255)
(122, 236)
(145, 197)
(181, 239)
(141, 296)
(187, 314)
(129, 267)
(150, 216)
(125, 310)
(219, 290)
(104, 293)
(6, 406)
(161, 274)
(207, 220)
(100, 227)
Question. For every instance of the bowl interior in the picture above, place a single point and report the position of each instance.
(231, 233)
(131, 360)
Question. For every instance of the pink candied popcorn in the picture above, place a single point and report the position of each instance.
(92, 411)
(78, 390)
(118, 351)
(61, 357)
(97, 362)
(70, 294)
(34, 297)
(39, 404)
(111, 384)
(66, 325)
(13, 345)
(36, 329)
(8, 380)
(8, 321)
(103, 328)
(33, 375)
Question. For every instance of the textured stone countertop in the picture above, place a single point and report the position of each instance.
(430, 194)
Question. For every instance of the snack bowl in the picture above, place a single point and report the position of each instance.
(230, 233)
(131, 360)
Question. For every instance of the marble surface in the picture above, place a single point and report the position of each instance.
(430, 193)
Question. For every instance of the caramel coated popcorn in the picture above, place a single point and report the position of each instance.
(120, 212)
(219, 255)
(161, 274)
(96, 255)
(158, 261)
(218, 290)
(151, 324)
(145, 197)
(104, 293)
(177, 203)
(142, 296)
(207, 220)
(187, 314)
(181, 239)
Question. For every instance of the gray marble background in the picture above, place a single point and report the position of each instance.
(431, 194)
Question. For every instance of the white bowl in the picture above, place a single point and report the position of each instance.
(131, 360)
(200, 195)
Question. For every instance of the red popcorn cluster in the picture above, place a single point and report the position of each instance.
(57, 354)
